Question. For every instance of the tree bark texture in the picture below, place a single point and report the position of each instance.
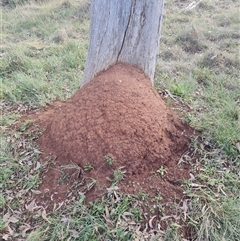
(126, 31)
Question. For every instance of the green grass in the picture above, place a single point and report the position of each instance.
(200, 64)
(44, 47)
(39, 63)
(100, 221)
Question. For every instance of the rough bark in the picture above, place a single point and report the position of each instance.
(125, 31)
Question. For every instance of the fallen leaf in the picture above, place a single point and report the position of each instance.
(151, 220)
(131, 223)
(107, 212)
(74, 234)
(12, 219)
(65, 220)
(191, 177)
(5, 237)
(59, 206)
(167, 217)
(6, 217)
(197, 185)
(36, 192)
(24, 229)
(185, 209)
(238, 146)
(10, 230)
(127, 214)
(44, 215)
(38, 165)
(31, 206)
(109, 221)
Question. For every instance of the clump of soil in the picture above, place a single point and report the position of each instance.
(117, 120)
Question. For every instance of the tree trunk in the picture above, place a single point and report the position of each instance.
(126, 31)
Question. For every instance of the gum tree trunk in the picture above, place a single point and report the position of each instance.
(125, 31)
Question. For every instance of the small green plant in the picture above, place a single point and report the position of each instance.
(162, 171)
(142, 195)
(7, 120)
(158, 198)
(118, 175)
(64, 178)
(25, 125)
(109, 160)
(88, 166)
(2, 201)
(1, 224)
(172, 233)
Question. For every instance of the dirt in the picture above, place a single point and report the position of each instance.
(117, 120)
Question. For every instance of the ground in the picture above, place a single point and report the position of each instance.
(197, 76)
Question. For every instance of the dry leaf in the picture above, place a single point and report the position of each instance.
(65, 220)
(127, 214)
(31, 206)
(191, 177)
(167, 217)
(74, 234)
(10, 230)
(131, 223)
(185, 209)
(197, 185)
(238, 146)
(44, 215)
(59, 206)
(38, 165)
(107, 212)
(150, 221)
(6, 217)
(24, 229)
(36, 192)
(5, 237)
(12, 219)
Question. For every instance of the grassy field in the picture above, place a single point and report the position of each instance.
(43, 51)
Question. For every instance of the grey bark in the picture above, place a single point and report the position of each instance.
(126, 31)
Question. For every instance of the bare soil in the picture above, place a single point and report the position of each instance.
(117, 116)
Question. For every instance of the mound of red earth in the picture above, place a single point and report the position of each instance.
(117, 120)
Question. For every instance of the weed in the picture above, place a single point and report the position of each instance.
(157, 198)
(64, 178)
(118, 175)
(88, 166)
(162, 171)
(190, 42)
(109, 160)
(25, 125)
(2, 201)
(142, 195)
(1, 224)
(172, 233)
(8, 119)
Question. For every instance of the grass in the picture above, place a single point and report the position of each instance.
(198, 67)
(198, 64)
(210, 81)
(41, 64)
(99, 221)
(109, 160)
(118, 175)
(161, 171)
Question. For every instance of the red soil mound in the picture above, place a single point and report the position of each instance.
(120, 116)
